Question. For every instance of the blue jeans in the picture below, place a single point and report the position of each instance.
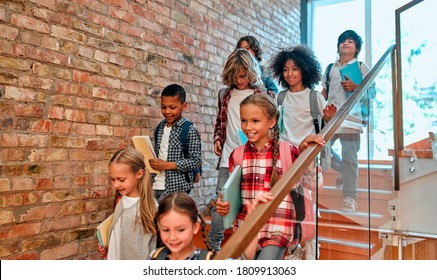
(271, 252)
(216, 232)
(350, 145)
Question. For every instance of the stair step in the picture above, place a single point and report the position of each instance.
(358, 218)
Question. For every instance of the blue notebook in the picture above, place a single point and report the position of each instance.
(231, 193)
(353, 72)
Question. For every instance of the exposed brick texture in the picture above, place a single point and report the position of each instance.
(78, 78)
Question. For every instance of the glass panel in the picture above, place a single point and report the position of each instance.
(327, 28)
(344, 232)
(419, 71)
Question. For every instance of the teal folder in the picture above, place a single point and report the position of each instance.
(231, 193)
(243, 137)
(353, 72)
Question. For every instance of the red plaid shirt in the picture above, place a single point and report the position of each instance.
(257, 171)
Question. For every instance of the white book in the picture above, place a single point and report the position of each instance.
(231, 193)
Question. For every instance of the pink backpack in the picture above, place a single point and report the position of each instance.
(304, 225)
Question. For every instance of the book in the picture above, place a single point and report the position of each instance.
(103, 231)
(353, 72)
(144, 145)
(231, 193)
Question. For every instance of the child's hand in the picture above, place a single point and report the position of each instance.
(329, 112)
(103, 251)
(312, 138)
(221, 207)
(348, 85)
(218, 148)
(159, 164)
(261, 198)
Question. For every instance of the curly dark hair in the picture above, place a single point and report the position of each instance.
(304, 58)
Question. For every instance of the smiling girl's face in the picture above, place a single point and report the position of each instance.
(177, 230)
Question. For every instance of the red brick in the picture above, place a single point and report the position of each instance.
(44, 184)
(32, 110)
(47, 56)
(40, 213)
(20, 184)
(8, 32)
(20, 230)
(62, 127)
(59, 224)
(79, 76)
(30, 23)
(42, 126)
(60, 252)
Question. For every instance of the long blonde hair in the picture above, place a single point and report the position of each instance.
(270, 109)
(241, 57)
(147, 209)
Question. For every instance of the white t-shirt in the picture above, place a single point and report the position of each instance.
(233, 124)
(297, 119)
(159, 182)
(338, 96)
(114, 242)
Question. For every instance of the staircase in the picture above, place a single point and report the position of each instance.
(346, 236)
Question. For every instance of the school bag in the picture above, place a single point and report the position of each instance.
(163, 252)
(304, 225)
(185, 148)
(325, 154)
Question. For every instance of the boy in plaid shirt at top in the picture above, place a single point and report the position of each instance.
(242, 77)
(261, 168)
(168, 147)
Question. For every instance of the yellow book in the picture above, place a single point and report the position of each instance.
(144, 145)
(103, 231)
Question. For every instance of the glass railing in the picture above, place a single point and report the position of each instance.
(418, 48)
(353, 202)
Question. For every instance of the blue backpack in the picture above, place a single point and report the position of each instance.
(185, 147)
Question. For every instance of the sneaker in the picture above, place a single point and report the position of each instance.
(349, 204)
(339, 181)
(295, 255)
(310, 250)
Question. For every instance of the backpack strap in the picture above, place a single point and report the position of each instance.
(205, 255)
(281, 97)
(328, 78)
(238, 155)
(161, 253)
(221, 94)
(314, 110)
(184, 141)
(285, 152)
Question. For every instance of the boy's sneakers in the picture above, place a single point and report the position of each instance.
(339, 181)
(296, 254)
(349, 204)
(310, 249)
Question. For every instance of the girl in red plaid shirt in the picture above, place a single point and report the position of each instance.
(261, 168)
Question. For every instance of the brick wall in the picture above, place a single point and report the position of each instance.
(78, 78)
